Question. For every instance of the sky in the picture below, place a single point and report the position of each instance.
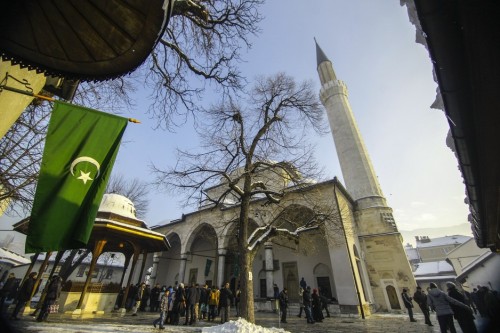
(391, 88)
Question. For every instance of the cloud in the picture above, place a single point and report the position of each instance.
(418, 204)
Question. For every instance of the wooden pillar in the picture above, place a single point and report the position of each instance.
(131, 274)
(44, 292)
(40, 272)
(127, 288)
(99, 246)
(30, 268)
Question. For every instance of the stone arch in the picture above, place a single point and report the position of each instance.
(392, 296)
(168, 262)
(195, 234)
(201, 254)
(232, 265)
(323, 279)
(290, 218)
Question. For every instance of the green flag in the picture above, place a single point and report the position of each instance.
(79, 153)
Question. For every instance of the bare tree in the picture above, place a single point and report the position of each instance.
(240, 144)
(71, 260)
(20, 157)
(201, 47)
(202, 44)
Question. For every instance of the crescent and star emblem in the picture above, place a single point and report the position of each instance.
(84, 176)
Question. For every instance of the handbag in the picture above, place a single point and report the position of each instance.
(54, 308)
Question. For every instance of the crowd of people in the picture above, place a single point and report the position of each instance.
(456, 305)
(22, 295)
(311, 302)
(180, 304)
(185, 305)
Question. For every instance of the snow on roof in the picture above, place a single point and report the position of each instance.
(436, 278)
(425, 241)
(433, 268)
(12, 257)
(412, 253)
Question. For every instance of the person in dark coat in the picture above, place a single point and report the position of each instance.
(132, 293)
(146, 294)
(492, 310)
(225, 301)
(53, 293)
(8, 289)
(283, 304)
(464, 317)
(407, 300)
(203, 302)
(421, 298)
(24, 294)
(138, 298)
(179, 304)
(324, 301)
(154, 299)
(317, 313)
(307, 300)
(303, 284)
(191, 296)
(440, 302)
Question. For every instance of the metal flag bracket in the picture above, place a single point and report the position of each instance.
(29, 91)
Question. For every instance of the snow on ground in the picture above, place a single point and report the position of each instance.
(241, 326)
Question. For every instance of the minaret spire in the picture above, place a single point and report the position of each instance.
(357, 169)
(320, 55)
(325, 67)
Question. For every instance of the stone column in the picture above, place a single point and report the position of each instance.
(182, 268)
(220, 266)
(154, 271)
(269, 258)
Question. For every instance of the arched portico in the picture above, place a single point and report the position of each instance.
(201, 254)
(169, 263)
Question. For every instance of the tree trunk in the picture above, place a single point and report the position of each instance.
(246, 261)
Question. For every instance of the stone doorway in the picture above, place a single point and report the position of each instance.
(291, 280)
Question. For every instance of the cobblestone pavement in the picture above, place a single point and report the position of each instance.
(377, 323)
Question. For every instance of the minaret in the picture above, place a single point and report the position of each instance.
(357, 170)
(382, 251)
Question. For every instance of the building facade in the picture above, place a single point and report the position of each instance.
(356, 258)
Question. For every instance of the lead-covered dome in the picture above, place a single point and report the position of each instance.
(117, 204)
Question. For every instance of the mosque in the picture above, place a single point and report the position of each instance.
(357, 259)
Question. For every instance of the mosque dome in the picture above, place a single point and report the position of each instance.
(117, 204)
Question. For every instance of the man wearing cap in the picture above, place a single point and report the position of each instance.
(421, 298)
(407, 299)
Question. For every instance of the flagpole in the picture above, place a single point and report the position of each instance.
(27, 93)
(50, 99)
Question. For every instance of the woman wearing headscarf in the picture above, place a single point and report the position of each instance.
(53, 293)
(317, 312)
